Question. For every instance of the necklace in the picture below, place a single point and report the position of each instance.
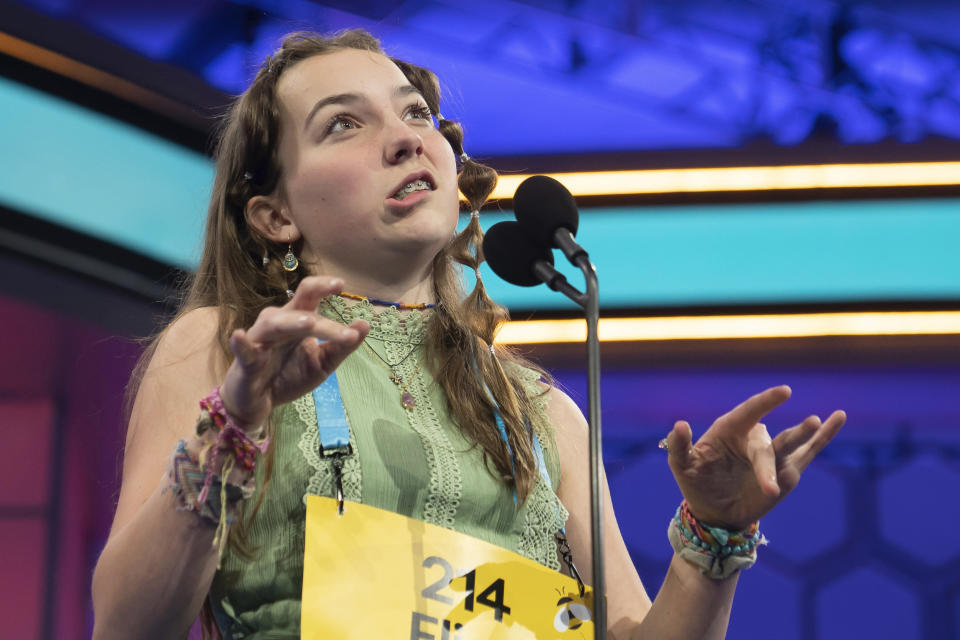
(406, 398)
(420, 306)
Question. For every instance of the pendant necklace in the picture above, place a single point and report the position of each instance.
(406, 398)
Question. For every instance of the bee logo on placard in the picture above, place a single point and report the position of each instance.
(572, 614)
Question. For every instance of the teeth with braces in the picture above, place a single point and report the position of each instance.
(416, 185)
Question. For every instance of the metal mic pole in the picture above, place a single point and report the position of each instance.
(590, 303)
(563, 238)
(592, 309)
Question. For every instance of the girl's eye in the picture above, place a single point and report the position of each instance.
(340, 123)
(419, 112)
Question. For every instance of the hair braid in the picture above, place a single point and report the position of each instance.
(483, 316)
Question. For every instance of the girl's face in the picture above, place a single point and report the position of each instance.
(367, 179)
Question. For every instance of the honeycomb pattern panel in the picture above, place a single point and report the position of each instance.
(811, 519)
(868, 603)
(903, 507)
(765, 595)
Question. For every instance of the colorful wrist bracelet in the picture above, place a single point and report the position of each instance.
(717, 552)
(236, 444)
(191, 487)
(201, 484)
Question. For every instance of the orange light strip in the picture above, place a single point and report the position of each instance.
(744, 327)
(91, 76)
(772, 178)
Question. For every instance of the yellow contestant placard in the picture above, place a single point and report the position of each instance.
(372, 573)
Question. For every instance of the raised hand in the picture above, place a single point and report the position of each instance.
(735, 473)
(279, 358)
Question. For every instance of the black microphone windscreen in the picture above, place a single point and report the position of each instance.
(543, 205)
(511, 255)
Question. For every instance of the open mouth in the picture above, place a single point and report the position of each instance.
(412, 187)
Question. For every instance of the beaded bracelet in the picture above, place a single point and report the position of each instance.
(717, 552)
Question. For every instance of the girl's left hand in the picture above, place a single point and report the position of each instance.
(735, 473)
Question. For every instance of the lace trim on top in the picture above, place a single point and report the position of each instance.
(545, 514)
(387, 324)
(544, 517)
(321, 480)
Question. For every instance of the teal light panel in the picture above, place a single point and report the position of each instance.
(85, 171)
(91, 173)
(761, 253)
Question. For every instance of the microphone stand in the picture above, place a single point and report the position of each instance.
(592, 309)
(590, 303)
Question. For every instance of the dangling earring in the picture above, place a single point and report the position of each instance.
(290, 262)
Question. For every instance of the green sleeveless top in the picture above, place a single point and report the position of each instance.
(414, 462)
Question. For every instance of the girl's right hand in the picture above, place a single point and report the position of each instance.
(287, 352)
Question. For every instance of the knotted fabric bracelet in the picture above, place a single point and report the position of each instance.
(718, 553)
(225, 446)
(189, 482)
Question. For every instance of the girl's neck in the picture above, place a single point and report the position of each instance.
(406, 279)
(372, 280)
(417, 292)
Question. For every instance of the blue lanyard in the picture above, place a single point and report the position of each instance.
(333, 429)
(331, 418)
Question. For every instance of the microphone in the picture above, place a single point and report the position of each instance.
(548, 215)
(514, 258)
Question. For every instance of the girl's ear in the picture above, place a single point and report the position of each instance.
(267, 216)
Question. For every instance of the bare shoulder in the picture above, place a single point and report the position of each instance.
(186, 363)
(187, 355)
(562, 407)
(192, 334)
(184, 367)
(565, 416)
(570, 435)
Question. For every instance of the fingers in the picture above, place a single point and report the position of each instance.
(795, 448)
(331, 354)
(789, 440)
(243, 350)
(679, 444)
(311, 290)
(751, 411)
(760, 452)
(277, 325)
(821, 437)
